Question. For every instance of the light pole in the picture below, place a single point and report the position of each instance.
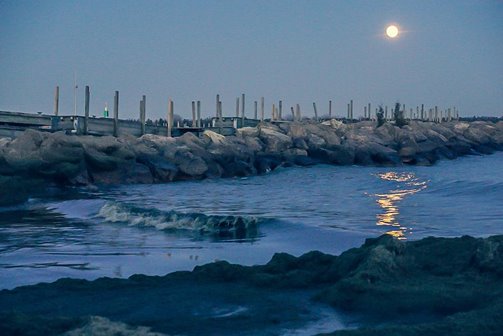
(75, 87)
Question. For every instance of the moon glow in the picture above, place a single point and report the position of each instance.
(392, 31)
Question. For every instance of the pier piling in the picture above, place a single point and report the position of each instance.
(86, 110)
(198, 124)
(143, 113)
(116, 114)
(193, 113)
(170, 117)
(242, 110)
(56, 101)
(262, 108)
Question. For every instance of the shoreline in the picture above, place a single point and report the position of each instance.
(386, 285)
(36, 159)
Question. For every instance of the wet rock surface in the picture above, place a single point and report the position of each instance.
(87, 160)
(451, 286)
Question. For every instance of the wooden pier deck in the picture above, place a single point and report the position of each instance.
(14, 123)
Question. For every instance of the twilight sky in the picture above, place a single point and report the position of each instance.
(450, 53)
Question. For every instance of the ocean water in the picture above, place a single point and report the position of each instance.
(157, 229)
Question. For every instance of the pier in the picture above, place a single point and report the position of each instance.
(14, 123)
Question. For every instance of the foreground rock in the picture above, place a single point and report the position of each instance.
(86, 160)
(427, 287)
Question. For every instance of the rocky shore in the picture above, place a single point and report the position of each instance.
(38, 158)
(450, 286)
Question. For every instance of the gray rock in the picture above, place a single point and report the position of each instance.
(274, 141)
(325, 132)
(188, 163)
(125, 174)
(248, 132)
(22, 154)
(314, 140)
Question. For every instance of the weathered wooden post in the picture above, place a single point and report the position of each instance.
(436, 113)
(237, 107)
(351, 102)
(365, 112)
(386, 112)
(56, 101)
(273, 112)
(369, 112)
(262, 108)
(140, 118)
(198, 124)
(255, 115)
(170, 116)
(299, 116)
(86, 110)
(315, 112)
(422, 112)
(330, 109)
(218, 106)
(348, 112)
(143, 113)
(193, 113)
(220, 119)
(116, 114)
(280, 111)
(242, 110)
(293, 113)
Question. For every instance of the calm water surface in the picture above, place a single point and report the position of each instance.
(133, 229)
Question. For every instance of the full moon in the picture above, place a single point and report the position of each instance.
(392, 31)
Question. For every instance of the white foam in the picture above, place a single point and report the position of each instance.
(120, 213)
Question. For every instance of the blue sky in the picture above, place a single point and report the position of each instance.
(450, 53)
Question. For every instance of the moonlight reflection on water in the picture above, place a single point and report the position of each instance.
(408, 184)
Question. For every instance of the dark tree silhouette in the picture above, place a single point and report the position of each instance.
(398, 116)
(380, 116)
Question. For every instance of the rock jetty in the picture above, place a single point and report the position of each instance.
(448, 286)
(36, 158)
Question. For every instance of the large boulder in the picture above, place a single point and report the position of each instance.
(325, 132)
(107, 153)
(375, 153)
(386, 133)
(248, 132)
(274, 141)
(266, 162)
(188, 163)
(23, 153)
(297, 130)
(132, 172)
(340, 155)
(160, 143)
(63, 157)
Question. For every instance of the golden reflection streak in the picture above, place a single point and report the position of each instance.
(389, 201)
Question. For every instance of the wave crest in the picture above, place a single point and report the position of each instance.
(223, 226)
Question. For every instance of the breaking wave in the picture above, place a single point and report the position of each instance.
(224, 226)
